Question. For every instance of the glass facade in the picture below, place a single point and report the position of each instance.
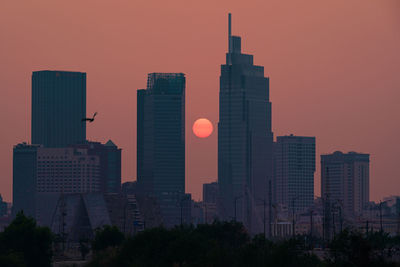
(161, 141)
(24, 178)
(58, 107)
(244, 138)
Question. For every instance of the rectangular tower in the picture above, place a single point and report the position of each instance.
(24, 178)
(294, 158)
(58, 106)
(345, 181)
(161, 141)
(110, 163)
(244, 138)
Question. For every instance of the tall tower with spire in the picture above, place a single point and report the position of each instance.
(245, 138)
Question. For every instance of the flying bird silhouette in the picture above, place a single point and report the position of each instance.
(90, 119)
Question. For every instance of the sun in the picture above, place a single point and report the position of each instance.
(202, 128)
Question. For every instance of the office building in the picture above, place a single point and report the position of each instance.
(42, 174)
(67, 170)
(24, 178)
(110, 164)
(210, 192)
(58, 106)
(345, 182)
(210, 202)
(245, 138)
(294, 158)
(161, 142)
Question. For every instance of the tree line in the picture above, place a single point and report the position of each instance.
(23, 243)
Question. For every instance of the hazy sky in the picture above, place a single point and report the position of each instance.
(333, 67)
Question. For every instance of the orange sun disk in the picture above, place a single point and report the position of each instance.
(202, 128)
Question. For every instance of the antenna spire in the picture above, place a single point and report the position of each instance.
(229, 33)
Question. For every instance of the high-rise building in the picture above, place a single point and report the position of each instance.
(161, 142)
(210, 192)
(294, 158)
(67, 170)
(24, 178)
(245, 138)
(58, 106)
(42, 174)
(210, 202)
(110, 164)
(345, 182)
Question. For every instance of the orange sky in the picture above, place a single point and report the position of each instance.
(333, 67)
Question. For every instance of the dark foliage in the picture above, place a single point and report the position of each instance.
(23, 243)
(11, 260)
(218, 244)
(355, 249)
(107, 236)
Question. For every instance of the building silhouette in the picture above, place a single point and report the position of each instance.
(210, 202)
(24, 179)
(245, 138)
(294, 158)
(42, 174)
(110, 163)
(345, 182)
(3, 207)
(161, 142)
(210, 192)
(58, 106)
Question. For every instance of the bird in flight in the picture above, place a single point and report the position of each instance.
(90, 119)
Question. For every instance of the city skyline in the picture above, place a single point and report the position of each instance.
(202, 153)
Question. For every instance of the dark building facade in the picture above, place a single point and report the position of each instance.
(245, 138)
(3, 207)
(161, 142)
(294, 158)
(345, 182)
(210, 192)
(24, 179)
(58, 106)
(110, 163)
(210, 202)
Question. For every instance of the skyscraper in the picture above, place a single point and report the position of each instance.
(58, 106)
(345, 181)
(24, 178)
(245, 137)
(294, 158)
(161, 141)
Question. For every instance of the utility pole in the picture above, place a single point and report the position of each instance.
(125, 205)
(380, 215)
(264, 219)
(333, 222)
(235, 200)
(264, 205)
(181, 214)
(205, 212)
(293, 222)
(311, 228)
(270, 209)
(340, 218)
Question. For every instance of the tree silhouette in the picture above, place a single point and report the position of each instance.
(106, 237)
(26, 243)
